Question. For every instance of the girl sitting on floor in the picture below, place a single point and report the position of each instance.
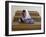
(25, 17)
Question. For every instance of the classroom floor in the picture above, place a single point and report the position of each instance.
(22, 26)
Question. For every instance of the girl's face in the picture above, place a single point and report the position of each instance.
(23, 14)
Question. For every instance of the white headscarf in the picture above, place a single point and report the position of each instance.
(27, 15)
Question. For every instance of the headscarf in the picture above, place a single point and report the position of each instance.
(27, 15)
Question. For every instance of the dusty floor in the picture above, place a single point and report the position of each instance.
(21, 26)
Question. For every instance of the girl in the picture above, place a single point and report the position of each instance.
(25, 17)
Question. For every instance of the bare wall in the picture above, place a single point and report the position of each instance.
(29, 8)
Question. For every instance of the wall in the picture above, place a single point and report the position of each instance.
(29, 8)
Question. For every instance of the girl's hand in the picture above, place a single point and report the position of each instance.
(19, 20)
